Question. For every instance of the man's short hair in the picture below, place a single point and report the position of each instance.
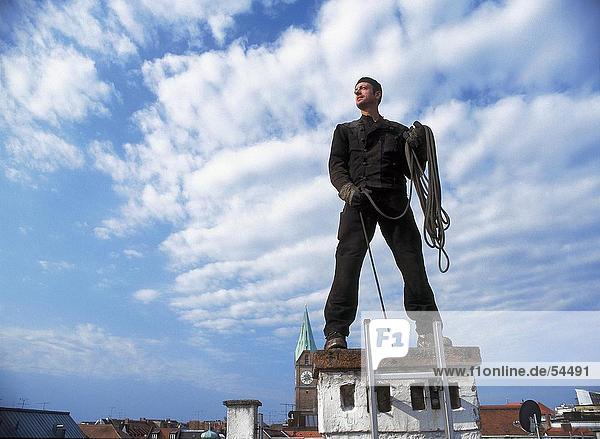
(376, 85)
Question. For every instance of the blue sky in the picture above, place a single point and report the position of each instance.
(166, 207)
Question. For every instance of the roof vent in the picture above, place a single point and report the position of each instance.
(59, 430)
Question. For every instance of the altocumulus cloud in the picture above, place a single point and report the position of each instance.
(49, 75)
(45, 84)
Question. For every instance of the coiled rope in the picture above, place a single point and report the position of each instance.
(429, 190)
(426, 183)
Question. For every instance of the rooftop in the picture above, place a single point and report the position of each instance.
(16, 422)
(102, 431)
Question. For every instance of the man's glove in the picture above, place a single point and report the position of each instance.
(415, 135)
(418, 128)
(352, 195)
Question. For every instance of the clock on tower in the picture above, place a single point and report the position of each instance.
(306, 377)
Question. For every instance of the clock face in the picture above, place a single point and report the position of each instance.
(306, 377)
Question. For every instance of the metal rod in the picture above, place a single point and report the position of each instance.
(371, 383)
(362, 221)
(438, 341)
(537, 427)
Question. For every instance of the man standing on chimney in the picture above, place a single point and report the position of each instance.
(367, 156)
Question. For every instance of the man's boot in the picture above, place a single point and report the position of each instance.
(335, 340)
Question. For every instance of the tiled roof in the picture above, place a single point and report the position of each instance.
(499, 419)
(164, 432)
(556, 431)
(103, 431)
(138, 428)
(15, 422)
(516, 406)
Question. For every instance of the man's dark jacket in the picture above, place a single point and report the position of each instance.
(370, 154)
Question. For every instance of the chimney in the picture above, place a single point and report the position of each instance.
(406, 407)
(242, 418)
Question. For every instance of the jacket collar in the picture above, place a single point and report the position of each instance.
(370, 127)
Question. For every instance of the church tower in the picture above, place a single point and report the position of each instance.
(305, 412)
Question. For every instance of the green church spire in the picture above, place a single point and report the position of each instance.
(306, 341)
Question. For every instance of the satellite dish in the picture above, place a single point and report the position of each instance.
(528, 411)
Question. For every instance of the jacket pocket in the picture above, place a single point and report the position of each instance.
(391, 145)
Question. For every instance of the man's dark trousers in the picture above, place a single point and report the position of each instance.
(403, 238)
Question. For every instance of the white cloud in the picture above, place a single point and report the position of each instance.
(491, 34)
(118, 29)
(260, 218)
(188, 16)
(270, 290)
(45, 84)
(131, 253)
(87, 24)
(49, 73)
(106, 160)
(43, 152)
(141, 20)
(89, 351)
(146, 295)
(54, 84)
(55, 265)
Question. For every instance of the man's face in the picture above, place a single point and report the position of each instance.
(365, 97)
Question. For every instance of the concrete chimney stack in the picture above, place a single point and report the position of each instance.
(242, 418)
